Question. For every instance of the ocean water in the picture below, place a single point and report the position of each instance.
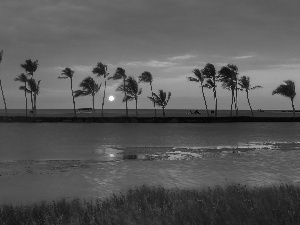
(49, 161)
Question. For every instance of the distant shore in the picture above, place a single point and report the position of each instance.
(147, 116)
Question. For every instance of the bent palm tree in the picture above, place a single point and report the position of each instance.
(228, 76)
(23, 78)
(68, 73)
(120, 74)
(209, 72)
(34, 89)
(199, 78)
(161, 99)
(287, 90)
(30, 67)
(146, 77)
(132, 90)
(1, 56)
(245, 84)
(89, 87)
(101, 70)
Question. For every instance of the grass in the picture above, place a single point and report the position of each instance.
(231, 204)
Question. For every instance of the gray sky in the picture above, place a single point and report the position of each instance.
(165, 37)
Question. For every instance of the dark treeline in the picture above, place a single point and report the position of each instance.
(208, 78)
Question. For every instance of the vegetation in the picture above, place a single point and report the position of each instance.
(228, 75)
(23, 78)
(245, 84)
(287, 90)
(101, 70)
(161, 99)
(200, 78)
(132, 90)
(30, 67)
(146, 77)
(89, 87)
(3, 97)
(120, 74)
(69, 73)
(232, 204)
(209, 72)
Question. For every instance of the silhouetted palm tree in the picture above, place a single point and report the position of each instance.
(1, 56)
(89, 87)
(120, 74)
(132, 90)
(287, 90)
(199, 78)
(69, 73)
(34, 89)
(228, 75)
(161, 99)
(101, 70)
(23, 78)
(209, 72)
(245, 84)
(30, 67)
(146, 77)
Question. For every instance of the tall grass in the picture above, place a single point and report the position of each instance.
(232, 204)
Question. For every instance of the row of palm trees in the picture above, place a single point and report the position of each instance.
(207, 77)
(228, 76)
(129, 86)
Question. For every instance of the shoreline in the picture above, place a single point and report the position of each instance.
(131, 119)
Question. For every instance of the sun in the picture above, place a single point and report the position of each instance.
(111, 98)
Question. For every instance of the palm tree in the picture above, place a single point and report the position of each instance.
(23, 78)
(146, 77)
(1, 56)
(89, 87)
(228, 75)
(209, 72)
(69, 73)
(101, 70)
(34, 89)
(245, 84)
(120, 74)
(132, 90)
(199, 78)
(161, 99)
(287, 90)
(30, 67)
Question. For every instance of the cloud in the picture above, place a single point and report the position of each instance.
(181, 57)
(150, 63)
(77, 68)
(243, 57)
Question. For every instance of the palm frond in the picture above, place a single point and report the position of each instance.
(100, 70)
(119, 74)
(30, 66)
(192, 79)
(256, 87)
(287, 90)
(209, 71)
(79, 93)
(23, 88)
(146, 77)
(22, 78)
(67, 73)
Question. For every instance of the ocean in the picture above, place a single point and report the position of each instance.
(50, 161)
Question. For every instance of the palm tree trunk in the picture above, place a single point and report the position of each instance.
(136, 110)
(93, 103)
(232, 99)
(293, 107)
(102, 114)
(34, 104)
(163, 108)
(125, 97)
(202, 88)
(249, 102)
(74, 108)
(236, 97)
(3, 98)
(153, 101)
(215, 97)
(26, 98)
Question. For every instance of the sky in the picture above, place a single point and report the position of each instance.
(168, 38)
